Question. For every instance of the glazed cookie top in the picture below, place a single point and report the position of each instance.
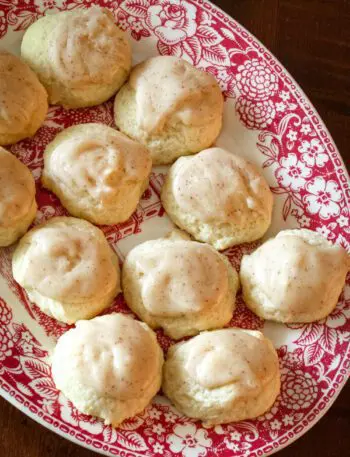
(295, 270)
(108, 356)
(231, 356)
(20, 94)
(66, 259)
(98, 161)
(17, 189)
(216, 185)
(179, 277)
(87, 47)
(192, 96)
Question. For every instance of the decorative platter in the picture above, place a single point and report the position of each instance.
(268, 120)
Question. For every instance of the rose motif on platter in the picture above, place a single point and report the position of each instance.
(172, 21)
(299, 390)
(256, 81)
(256, 115)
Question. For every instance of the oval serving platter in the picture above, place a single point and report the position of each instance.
(268, 120)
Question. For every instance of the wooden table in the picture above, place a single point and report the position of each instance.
(312, 39)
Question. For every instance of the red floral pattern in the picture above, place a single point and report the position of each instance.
(299, 390)
(172, 21)
(256, 114)
(256, 81)
(312, 188)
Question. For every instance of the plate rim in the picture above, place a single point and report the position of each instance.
(303, 100)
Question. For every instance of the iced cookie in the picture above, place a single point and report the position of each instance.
(218, 197)
(109, 367)
(295, 277)
(179, 285)
(23, 100)
(17, 198)
(171, 107)
(98, 173)
(81, 56)
(67, 268)
(222, 376)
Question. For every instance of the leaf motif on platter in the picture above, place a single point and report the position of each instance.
(166, 50)
(313, 354)
(227, 33)
(109, 434)
(39, 352)
(328, 339)
(268, 163)
(192, 47)
(296, 199)
(216, 55)
(24, 389)
(283, 125)
(310, 334)
(137, 8)
(27, 19)
(266, 151)
(275, 148)
(132, 441)
(45, 387)
(131, 424)
(278, 190)
(34, 368)
(287, 207)
(334, 364)
(208, 36)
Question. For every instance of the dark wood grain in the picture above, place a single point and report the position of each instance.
(312, 40)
